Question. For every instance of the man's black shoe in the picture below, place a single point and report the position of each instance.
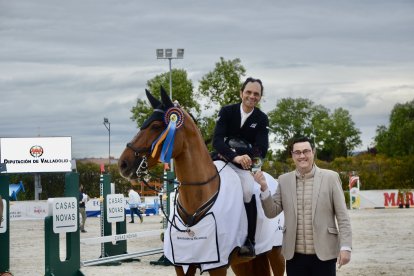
(247, 250)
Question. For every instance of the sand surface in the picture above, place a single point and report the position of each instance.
(382, 245)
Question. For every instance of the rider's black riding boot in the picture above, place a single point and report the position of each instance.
(247, 250)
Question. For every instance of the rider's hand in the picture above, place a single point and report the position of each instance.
(260, 178)
(243, 160)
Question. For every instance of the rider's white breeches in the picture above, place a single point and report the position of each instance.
(247, 182)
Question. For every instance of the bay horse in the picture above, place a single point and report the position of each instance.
(169, 133)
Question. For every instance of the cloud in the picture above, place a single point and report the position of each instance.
(65, 66)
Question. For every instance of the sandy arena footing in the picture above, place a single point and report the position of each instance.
(382, 245)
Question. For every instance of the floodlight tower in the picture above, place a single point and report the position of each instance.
(168, 54)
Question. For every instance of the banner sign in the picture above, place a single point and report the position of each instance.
(38, 209)
(65, 214)
(115, 208)
(382, 198)
(37, 154)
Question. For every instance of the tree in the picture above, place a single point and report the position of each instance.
(334, 134)
(182, 92)
(396, 140)
(343, 136)
(222, 85)
(296, 117)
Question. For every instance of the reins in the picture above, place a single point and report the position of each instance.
(200, 211)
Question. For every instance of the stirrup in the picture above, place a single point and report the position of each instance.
(247, 250)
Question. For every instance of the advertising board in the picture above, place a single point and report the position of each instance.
(37, 154)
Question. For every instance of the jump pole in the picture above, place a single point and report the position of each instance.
(121, 257)
(111, 253)
(121, 237)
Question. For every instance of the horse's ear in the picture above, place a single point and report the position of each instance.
(165, 98)
(153, 101)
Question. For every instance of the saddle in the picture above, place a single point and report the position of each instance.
(241, 147)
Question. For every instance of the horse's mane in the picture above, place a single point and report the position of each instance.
(206, 141)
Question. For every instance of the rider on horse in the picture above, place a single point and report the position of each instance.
(241, 137)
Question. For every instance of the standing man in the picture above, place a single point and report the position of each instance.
(241, 137)
(317, 230)
(134, 201)
(83, 198)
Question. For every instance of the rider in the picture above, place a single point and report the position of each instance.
(241, 137)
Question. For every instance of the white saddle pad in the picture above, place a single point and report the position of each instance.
(198, 244)
(227, 221)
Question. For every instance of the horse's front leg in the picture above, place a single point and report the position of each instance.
(222, 271)
(276, 260)
(190, 272)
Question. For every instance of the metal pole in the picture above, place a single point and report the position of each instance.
(170, 79)
(171, 163)
(108, 127)
(109, 146)
(101, 207)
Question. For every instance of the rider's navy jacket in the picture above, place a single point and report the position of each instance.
(253, 131)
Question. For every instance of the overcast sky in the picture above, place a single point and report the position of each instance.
(65, 65)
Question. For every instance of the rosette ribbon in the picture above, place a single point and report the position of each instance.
(174, 117)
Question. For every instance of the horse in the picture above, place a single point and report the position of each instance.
(170, 133)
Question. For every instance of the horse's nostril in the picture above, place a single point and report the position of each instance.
(124, 164)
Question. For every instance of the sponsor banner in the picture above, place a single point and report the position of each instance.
(115, 210)
(22, 210)
(38, 209)
(64, 213)
(37, 154)
(383, 198)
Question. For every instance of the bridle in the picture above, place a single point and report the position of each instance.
(142, 168)
(143, 174)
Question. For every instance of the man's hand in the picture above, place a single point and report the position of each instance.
(260, 178)
(243, 160)
(343, 258)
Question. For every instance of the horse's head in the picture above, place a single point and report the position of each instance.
(155, 139)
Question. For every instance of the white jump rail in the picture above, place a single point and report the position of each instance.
(121, 237)
(122, 257)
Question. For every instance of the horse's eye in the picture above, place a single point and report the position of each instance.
(156, 127)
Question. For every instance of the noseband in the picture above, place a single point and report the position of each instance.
(142, 168)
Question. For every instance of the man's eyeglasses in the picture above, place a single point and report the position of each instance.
(306, 152)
